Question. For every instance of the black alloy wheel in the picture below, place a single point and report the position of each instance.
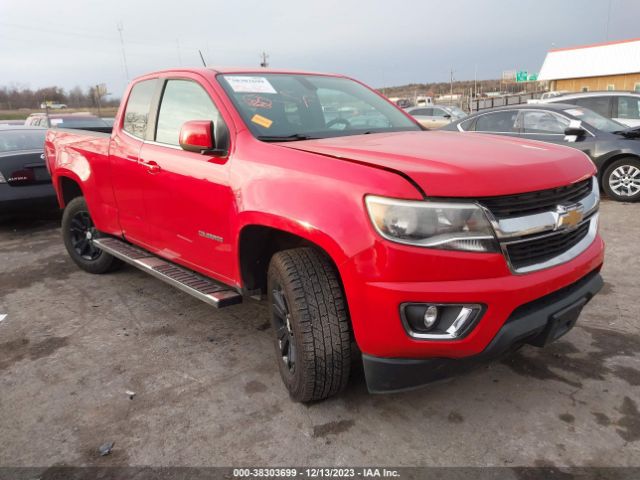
(284, 332)
(79, 233)
(83, 231)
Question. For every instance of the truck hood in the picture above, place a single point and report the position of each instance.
(451, 164)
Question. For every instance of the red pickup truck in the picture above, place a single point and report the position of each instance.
(426, 252)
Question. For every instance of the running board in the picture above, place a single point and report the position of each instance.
(203, 288)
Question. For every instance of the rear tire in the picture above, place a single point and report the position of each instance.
(309, 315)
(78, 232)
(621, 180)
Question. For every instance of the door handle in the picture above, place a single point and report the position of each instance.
(152, 167)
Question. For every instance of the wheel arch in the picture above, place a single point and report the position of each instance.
(609, 161)
(68, 189)
(258, 242)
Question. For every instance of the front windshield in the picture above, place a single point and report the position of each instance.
(458, 112)
(595, 119)
(287, 106)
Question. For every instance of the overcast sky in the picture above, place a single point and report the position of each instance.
(384, 43)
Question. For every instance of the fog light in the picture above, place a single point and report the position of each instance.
(439, 321)
(430, 316)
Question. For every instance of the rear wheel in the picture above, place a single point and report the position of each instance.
(621, 180)
(309, 315)
(78, 233)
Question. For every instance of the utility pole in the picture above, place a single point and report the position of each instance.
(264, 63)
(124, 56)
(475, 81)
(97, 93)
(451, 97)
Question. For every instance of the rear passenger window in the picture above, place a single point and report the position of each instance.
(136, 116)
(498, 122)
(182, 101)
(599, 105)
(629, 108)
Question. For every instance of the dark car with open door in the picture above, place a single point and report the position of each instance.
(25, 183)
(613, 147)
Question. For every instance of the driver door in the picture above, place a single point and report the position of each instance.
(187, 196)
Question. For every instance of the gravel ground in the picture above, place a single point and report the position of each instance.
(207, 391)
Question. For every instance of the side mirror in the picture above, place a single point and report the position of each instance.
(574, 131)
(197, 136)
(447, 116)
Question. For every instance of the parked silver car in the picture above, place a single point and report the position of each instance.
(436, 116)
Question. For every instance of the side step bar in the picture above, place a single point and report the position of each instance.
(203, 288)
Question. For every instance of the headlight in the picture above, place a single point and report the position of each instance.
(444, 225)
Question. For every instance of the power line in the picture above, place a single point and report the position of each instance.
(74, 34)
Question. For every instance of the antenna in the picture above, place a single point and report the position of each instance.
(202, 58)
(124, 55)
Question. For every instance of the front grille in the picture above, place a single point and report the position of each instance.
(536, 202)
(541, 249)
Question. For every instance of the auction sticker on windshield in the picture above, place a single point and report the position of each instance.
(250, 84)
(262, 121)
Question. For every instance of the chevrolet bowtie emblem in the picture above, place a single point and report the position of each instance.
(569, 216)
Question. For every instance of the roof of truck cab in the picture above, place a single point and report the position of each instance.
(242, 70)
(268, 70)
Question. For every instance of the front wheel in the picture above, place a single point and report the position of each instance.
(309, 316)
(78, 233)
(621, 180)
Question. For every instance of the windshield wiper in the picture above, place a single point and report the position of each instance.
(285, 138)
(632, 132)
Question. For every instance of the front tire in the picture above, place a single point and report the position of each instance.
(311, 323)
(78, 232)
(621, 180)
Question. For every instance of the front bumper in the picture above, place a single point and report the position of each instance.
(537, 323)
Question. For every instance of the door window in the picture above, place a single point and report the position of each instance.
(601, 105)
(136, 115)
(628, 108)
(543, 122)
(423, 112)
(498, 122)
(182, 101)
